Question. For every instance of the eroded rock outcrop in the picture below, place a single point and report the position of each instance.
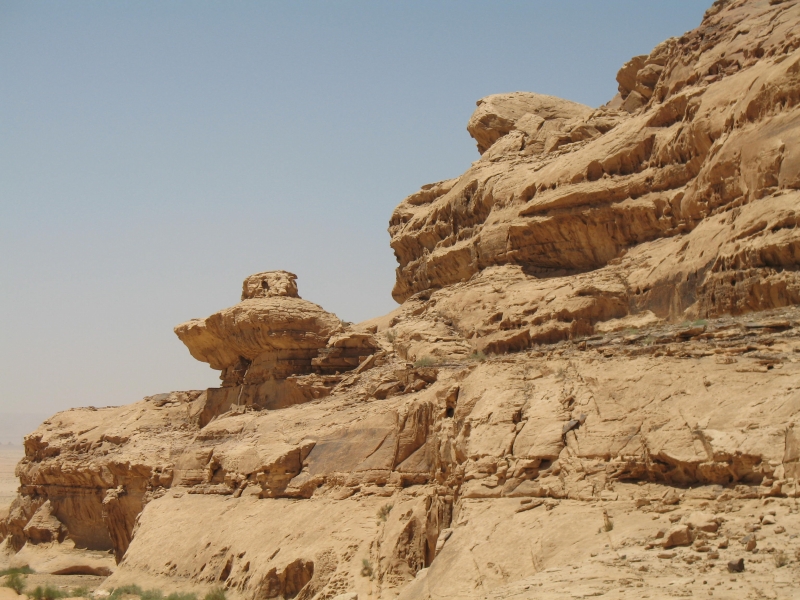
(670, 420)
(704, 166)
(272, 333)
(543, 121)
(274, 349)
(592, 383)
(87, 473)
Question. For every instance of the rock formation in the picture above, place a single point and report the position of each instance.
(679, 196)
(269, 344)
(592, 385)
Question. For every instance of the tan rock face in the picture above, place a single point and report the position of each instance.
(703, 167)
(679, 535)
(271, 321)
(44, 526)
(270, 283)
(270, 346)
(90, 489)
(525, 446)
(592, 384)
(535, 115)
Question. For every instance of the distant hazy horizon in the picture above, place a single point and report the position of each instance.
(14, 426)
(153, 154)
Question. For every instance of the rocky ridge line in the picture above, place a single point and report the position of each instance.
(592, 383)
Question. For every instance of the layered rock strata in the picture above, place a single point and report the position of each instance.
(274, 349)
(354, 494)
(592, 385)
(696, 162)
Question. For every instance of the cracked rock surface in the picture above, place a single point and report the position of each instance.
(591, 386)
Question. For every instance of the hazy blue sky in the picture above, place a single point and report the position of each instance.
(153, 154)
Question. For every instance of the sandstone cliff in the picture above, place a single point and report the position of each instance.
(592, 385)
(679, 196)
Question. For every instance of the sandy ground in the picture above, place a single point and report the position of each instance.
(9, 457)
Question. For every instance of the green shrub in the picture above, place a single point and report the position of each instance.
(48, 593)
(26, 570)
(135, 590)
(215, 594)
(384, 511)
(391, 336)
(16, 582)
(80, 592)
(366, 568)
(478, 355)
(425, 361)
(117, 593)
(180, 596)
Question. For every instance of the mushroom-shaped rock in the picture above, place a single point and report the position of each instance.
(500, 114)
(272, 327)
(274, 348)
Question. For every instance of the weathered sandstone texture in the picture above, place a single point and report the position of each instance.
(269, 345)
(682, 202)
(591, 387)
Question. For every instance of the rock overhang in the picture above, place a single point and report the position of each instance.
(273, 334)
